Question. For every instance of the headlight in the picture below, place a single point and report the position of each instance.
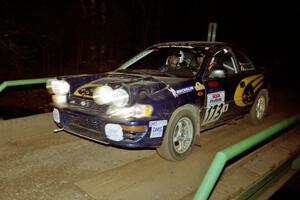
(103, 95)
(142, 111)
(59, 100)
(136, 111)
(59, 87)
(106, 95)
(49, 85)
(121, 97)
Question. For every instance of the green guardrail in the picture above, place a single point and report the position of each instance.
(219, 161)
(6, 84)
(296, 163)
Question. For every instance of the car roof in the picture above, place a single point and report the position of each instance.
(191, 44)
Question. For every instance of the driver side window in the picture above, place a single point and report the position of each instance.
(221, 65)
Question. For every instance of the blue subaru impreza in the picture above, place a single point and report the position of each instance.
(163, 97)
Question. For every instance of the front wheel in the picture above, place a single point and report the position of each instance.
(179, 136)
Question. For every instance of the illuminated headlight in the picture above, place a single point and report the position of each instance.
(121, 98)
(136, 111)
(59, 100)
(103, 95)
(58, 87)
(106, 95)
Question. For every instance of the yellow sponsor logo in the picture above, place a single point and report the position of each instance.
(86, 90)
(244, 93)
(199, 86)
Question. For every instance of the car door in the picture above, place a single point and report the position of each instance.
(221, 79)
(250, 82)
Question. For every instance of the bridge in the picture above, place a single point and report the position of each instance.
(39, 164)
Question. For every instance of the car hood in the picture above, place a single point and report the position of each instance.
(135, 84)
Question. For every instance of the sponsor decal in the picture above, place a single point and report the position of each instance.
(211, 90)
(215, 98)
(156, 132)
(157, 128)
(158, 123)
(244, 93)
(214, 112)
(181, 91)
(185, 90)
(199, 86)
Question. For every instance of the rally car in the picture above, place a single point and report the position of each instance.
(163, 97)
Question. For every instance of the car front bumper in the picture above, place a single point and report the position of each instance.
(139, 133)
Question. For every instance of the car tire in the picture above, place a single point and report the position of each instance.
(259, 108)
(180, 134)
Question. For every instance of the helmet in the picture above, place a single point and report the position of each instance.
(178, 53)
(181, 57)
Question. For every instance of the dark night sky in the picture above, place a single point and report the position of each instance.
(59, 34)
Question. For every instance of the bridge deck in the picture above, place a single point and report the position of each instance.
(35, 163)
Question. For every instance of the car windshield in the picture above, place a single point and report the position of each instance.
(166, 61)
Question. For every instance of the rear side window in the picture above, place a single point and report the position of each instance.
(244, 63)
(222, 60)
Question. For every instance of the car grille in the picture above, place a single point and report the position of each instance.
(92, 127)
(86, 104)
(84, 125)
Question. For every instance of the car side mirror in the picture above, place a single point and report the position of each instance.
(217, 73)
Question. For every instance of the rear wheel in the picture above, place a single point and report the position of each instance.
(179, 136)
(259, 107)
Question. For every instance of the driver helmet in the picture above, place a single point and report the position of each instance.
(177, 53)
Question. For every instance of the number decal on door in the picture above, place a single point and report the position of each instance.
(214, 112)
